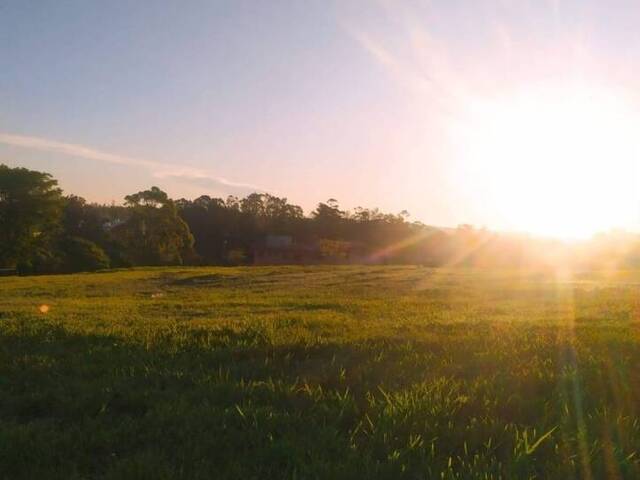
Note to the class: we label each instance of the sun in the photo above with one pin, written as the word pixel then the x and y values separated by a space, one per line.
pixel 559 160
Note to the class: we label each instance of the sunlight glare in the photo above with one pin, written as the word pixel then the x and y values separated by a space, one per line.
pixel 552 161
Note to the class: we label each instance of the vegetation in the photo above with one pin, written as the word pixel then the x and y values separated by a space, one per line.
pixel 43 232
pixel 319 372
pixel 30 209
pixel 153 232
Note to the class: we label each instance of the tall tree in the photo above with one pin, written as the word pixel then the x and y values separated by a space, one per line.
pixel 329 219
pixel 154 233
pixel 30 211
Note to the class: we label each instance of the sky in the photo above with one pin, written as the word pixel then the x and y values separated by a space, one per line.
pixel 519 116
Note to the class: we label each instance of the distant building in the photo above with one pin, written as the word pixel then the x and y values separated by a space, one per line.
pixel 283 250
pixel 111 224
pixel 278 241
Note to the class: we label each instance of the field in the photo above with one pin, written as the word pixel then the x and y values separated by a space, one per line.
pixel 320 372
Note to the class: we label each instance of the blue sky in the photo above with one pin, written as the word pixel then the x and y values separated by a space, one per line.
pixel 308 100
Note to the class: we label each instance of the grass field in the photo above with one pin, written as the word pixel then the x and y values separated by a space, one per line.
pixel 320 372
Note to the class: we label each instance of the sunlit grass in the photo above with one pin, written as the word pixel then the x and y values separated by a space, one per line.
pixel 320 372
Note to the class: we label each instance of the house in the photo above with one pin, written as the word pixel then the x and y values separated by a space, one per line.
pixel 284 249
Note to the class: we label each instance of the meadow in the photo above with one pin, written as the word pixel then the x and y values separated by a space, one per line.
pixel 320 372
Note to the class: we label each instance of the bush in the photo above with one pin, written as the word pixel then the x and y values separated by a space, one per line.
pixel 83 255
pixel 41 261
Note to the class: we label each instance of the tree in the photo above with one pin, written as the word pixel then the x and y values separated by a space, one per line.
pixel 154 233
pixel 30 211
pixel 328 219
pixel 80 219
pixel 42 232
pixel 253 205
pixel 81 255
pixel 153 197
pixel 210 222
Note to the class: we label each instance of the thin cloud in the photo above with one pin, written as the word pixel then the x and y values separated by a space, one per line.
pixel 209 182
pixel 443 71
pixel 180 173
pixel 419 62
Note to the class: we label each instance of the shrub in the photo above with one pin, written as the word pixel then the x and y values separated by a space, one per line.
pixel 82 255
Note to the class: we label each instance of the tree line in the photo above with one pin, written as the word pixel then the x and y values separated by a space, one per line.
pixel 44 231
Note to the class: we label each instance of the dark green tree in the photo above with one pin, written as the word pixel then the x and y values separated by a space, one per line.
pixel 82 255
pixel 80 219
pixel 30 211
pixel 328 220
pixel 154 233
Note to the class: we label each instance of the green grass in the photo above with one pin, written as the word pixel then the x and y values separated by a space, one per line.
pixel 320 372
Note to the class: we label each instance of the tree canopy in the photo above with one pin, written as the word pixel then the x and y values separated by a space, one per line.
pixel 30 211
pixel 154 233
pixel 43 231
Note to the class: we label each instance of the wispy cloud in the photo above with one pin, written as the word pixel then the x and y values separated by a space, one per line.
pixel 419 61
pixel 180 173
pixel 428 50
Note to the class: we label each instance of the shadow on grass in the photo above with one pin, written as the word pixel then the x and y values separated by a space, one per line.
pixel 227 404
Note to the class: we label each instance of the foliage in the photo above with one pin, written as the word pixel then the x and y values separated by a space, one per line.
pixel 83 255
pixel 152 229
pixel 80 219
pixel 154 234
pixel 30 209
pixel 320 372
pixel 42 232
pixel 95 223
pixel 220 227
pixel 153 198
